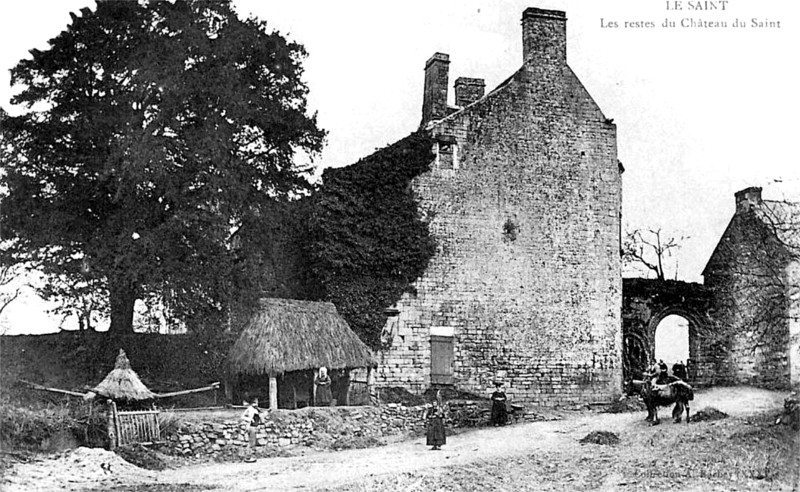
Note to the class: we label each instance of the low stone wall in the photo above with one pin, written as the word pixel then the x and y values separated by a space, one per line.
pixel 327 428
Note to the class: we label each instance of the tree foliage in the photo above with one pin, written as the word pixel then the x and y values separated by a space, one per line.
pixel 10 272
pixel 368 240
pixel 155 129
pixel 76 295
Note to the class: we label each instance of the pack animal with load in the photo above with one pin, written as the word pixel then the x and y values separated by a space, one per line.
pixel 657 389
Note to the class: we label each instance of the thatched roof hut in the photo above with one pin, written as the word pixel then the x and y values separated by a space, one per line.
pixel 289 335
pixel 123 384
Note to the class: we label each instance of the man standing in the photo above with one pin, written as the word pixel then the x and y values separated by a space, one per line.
pixel 679 371
pixel 662 377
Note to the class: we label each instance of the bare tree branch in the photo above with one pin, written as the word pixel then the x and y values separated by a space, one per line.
pixel 649 248
pixel 9 275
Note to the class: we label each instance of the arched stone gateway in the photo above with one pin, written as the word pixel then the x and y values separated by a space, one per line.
pixel 646 303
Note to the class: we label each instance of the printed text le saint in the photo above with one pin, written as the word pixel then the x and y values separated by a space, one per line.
pixel 697 5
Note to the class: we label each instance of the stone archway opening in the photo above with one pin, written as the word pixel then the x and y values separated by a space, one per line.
pixel 672 339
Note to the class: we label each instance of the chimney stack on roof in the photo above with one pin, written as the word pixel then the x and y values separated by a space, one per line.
pixel 544 37
pixel 434 98
pixel 544 43
pixel 469 90
pixel 747 198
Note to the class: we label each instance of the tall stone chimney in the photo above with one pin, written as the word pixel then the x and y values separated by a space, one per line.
pixel 747 198
pixel 544 37
pixel 434 98
pixel 469 90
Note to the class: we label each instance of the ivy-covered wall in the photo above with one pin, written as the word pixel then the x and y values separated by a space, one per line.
pixel 367 239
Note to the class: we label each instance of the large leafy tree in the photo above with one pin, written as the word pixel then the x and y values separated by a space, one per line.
pixel 155 129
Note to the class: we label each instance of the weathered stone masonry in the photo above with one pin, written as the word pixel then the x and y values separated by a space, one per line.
pixel 646 302
pixel 524 200
pixel 754 273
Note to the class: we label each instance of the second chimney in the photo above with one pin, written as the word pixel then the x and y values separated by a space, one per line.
pixel 544 37
pixel 747 198
pixel 468 90
pixel 434 98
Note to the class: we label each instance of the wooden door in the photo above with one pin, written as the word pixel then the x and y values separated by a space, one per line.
pixel 441 360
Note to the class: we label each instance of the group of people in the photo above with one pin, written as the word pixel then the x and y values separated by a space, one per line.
pixel 435 435
pixel 252 416
pixel 662 376
pixel 435 432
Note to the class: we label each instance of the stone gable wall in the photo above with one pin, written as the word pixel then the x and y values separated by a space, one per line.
pixel 748 277
pixel 528 276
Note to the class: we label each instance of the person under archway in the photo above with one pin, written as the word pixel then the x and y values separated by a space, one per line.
pixel 679 371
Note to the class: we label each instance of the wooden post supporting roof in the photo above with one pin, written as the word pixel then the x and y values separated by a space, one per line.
pixel 273 392
pixel 371 382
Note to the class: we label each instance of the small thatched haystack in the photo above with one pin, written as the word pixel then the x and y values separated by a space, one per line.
pixel 123 384
pixel 289 335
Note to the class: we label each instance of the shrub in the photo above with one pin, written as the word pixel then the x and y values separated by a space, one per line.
pixel 169 423
pixel 29 429
pixel 22 428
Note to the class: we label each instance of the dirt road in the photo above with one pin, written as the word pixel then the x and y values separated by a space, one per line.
pixel 330 470
pixel 737 453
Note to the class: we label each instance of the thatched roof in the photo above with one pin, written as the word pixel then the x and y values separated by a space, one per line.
pixel 123 384
pixel 288 335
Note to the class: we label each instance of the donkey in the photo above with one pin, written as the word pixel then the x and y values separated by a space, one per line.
pixel 656 395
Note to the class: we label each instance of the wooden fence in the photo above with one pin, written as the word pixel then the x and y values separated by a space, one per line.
pixel 136 427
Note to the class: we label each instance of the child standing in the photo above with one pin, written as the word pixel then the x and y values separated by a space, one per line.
pixel 499 410
pixel 251 419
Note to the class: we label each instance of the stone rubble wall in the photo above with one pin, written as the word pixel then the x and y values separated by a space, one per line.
pixel 316 427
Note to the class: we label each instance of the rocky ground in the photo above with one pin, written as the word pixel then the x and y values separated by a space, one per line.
pixel 734 445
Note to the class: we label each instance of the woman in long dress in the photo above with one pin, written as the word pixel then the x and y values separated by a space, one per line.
pixel 435 436
pixel 322 388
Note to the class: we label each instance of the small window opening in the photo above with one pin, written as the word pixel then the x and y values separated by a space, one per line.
pixel 447 154
pixel 510 230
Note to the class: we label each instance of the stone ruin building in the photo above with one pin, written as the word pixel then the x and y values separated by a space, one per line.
pixel 523 199
pixel 754 273
pixel 744 319
pixel 525 204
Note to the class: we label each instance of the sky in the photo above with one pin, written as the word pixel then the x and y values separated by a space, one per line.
pixel 701 112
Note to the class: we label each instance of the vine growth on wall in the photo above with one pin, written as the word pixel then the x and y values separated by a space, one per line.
pixel 368 241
